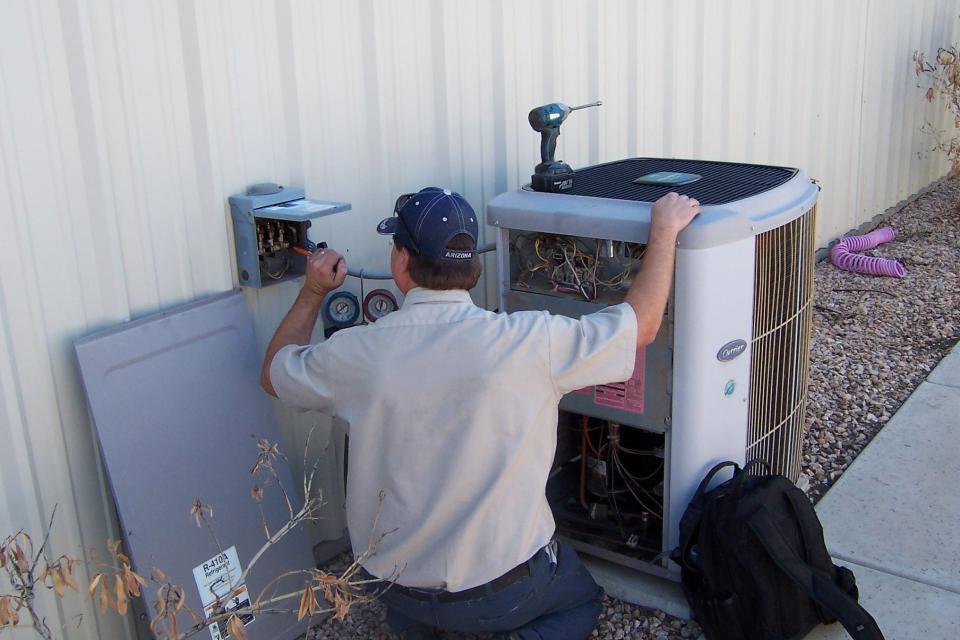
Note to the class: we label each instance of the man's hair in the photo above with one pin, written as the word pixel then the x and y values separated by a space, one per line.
pixel 440 274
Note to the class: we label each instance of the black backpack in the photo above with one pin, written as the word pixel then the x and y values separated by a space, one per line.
pixel 755 567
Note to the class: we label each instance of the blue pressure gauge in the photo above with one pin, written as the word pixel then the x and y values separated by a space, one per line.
pixel 342 310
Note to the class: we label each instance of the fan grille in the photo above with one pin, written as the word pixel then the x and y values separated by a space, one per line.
pixel 721 182
pixel 782 326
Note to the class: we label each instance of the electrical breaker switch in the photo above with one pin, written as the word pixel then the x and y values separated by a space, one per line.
pixel 270 225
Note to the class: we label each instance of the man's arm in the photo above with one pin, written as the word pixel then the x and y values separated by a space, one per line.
pixel 651 286
pixel 326 270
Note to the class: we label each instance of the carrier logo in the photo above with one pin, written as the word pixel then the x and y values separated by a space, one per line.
pixel 731 350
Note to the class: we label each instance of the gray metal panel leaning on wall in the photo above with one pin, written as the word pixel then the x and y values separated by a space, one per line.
pixel 177 407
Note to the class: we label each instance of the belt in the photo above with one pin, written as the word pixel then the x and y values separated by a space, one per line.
pixel 497 584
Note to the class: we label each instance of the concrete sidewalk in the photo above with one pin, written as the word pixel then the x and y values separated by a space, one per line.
pixel 894 516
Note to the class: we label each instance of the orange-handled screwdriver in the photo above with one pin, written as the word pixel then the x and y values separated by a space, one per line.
pixel 308 250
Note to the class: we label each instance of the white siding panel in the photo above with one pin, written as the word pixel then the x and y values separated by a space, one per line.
pixel 125 126
pixel 51 460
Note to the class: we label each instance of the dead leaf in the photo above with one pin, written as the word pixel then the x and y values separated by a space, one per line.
pixel 104 598
pixel 8 612
pixel 326 577
pixel 270 449
pixel 341 603
pixel 256 493
pixel 945 57
pixel 93 585
pixel 20 559
pixel 235 628
pixel 268 452
pixel 930 94
pixel 68 565
pixel 308 603
pixel 200 512
pixel 58 583
pixel 132 581
pixel 121 593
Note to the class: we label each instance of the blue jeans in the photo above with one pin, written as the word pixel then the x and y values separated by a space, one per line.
pixel 557 601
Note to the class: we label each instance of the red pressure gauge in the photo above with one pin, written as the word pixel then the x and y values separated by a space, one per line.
pixel 378 303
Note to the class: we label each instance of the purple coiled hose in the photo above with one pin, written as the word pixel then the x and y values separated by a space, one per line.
pixel 844 257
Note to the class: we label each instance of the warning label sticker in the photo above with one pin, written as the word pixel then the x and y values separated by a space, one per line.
pixel 218 580
pixel 239 598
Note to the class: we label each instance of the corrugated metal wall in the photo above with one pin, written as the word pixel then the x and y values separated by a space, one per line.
pixel 124 126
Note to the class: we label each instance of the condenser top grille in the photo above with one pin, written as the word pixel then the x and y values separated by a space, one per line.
pixel 721 182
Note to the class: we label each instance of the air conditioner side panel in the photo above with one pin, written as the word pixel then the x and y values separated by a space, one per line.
pixel 713 299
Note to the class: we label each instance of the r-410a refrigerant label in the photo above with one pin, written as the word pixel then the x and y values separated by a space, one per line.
pixel 218 580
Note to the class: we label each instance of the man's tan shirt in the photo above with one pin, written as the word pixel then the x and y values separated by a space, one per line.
pixel 452 412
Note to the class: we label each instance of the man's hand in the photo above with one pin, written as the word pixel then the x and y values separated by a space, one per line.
pixel 672 213
pixel 326 271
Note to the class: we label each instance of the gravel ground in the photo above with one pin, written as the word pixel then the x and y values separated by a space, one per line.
pixel 875 339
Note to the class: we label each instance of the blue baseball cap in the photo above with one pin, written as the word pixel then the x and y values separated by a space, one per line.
pixel 428 220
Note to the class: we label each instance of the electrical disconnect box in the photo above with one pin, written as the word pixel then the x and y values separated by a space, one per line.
pixel 270 225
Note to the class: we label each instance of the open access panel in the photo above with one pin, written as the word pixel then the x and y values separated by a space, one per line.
pixel 609 476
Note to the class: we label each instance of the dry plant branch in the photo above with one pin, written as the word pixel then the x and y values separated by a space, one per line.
pixel 943 78
pixel 115 582
pixel 27 569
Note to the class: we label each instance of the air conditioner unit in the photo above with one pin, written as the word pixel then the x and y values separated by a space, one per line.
pixel 726 377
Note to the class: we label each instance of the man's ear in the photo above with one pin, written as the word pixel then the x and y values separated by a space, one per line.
pixel 400 268
pixel 403 258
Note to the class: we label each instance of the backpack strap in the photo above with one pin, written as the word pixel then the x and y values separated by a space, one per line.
pixel 702 489
pixel 811 534
pixel 691 519
pixel 820 588
pixel 740 475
